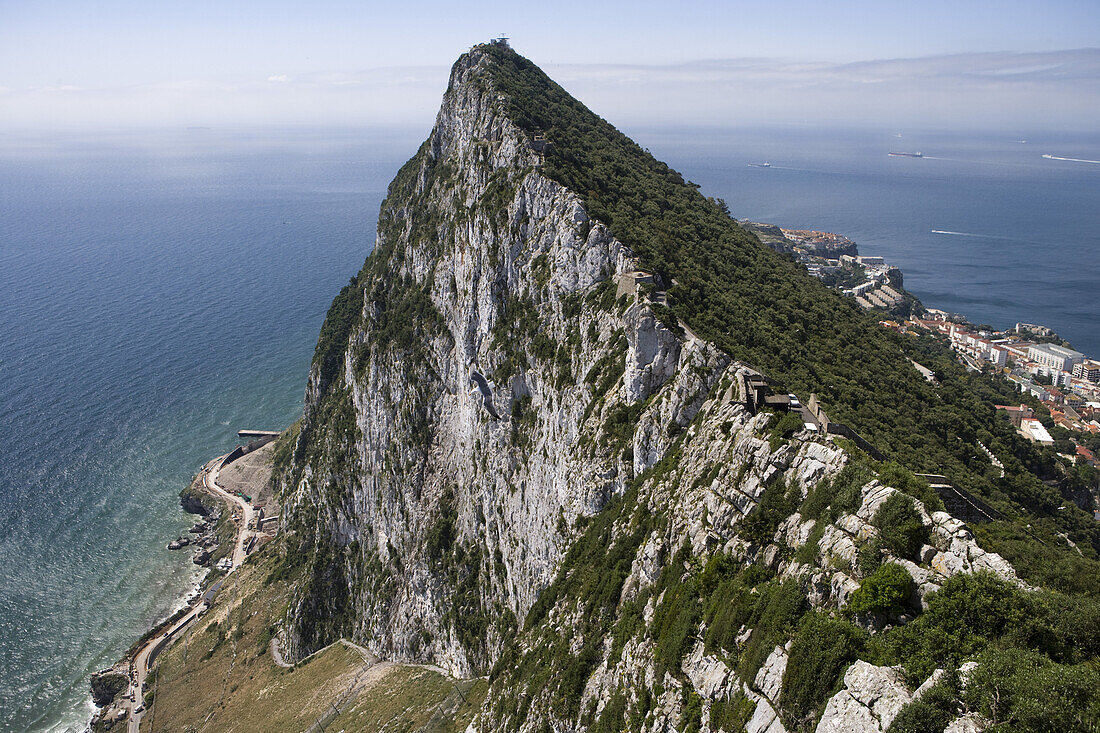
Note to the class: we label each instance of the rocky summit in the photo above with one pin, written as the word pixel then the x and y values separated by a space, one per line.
pixel 574 430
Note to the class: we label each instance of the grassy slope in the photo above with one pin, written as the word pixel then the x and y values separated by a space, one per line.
pixel 763 308
pixel 414 698
pixel 222 677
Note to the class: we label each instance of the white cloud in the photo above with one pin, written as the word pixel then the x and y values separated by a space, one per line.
pixel 279 78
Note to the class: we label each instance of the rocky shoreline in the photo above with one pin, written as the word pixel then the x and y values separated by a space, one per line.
pixel 109 686
pixel 202 537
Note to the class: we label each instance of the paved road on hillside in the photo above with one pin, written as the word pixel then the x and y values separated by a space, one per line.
pixel 248 514
pixel 140 667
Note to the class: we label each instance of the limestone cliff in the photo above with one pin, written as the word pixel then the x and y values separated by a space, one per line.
pixel 489 373
pixel 697 520
pixel 516 459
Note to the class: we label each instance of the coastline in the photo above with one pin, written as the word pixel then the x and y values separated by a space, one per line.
pixel 101 711
pixel 218 542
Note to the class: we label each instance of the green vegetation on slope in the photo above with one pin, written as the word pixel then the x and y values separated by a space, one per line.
pixel 763 308
pixel 220 674
pixel 717 599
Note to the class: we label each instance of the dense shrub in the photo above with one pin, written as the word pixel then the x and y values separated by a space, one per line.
pixel 776 504
pixel 1020 690
pixel 775 615
pixel 729 605
pixel 823 649
pixel 343 315
pixel 731 715
pixel 973 611
pixel 691 712
pixel 937 707
pixel 887 590
pixel 900 526
pixel 784 427
pixel 676 619
pixel 870 556
pixel 848 488
pixel 897 476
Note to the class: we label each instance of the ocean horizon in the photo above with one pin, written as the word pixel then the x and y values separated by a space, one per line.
pixel 160 290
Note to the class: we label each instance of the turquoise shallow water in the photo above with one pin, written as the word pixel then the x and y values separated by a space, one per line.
pixel 160 291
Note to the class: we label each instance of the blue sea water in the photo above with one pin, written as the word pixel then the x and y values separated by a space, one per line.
pixel 158 291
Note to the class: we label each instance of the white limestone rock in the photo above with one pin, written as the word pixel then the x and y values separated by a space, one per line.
pixel 969 723
pixel 928 684
pixel 871 699
pixel 652 356
pixel 845 714
pixel 764 719
pixel 769 680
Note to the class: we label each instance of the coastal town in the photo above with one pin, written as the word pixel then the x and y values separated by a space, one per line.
pixel 835 260
pixel 1062 380
pixel 1059 386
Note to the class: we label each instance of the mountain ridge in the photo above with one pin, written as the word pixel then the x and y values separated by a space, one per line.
pixel 544 356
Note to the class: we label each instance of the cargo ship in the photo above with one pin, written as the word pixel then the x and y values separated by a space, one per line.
pixel 907 155
pixel 760 165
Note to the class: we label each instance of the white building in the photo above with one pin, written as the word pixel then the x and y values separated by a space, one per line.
pixel 862 288
pixel 1034 431
pixel 890 292
pixel 1088 371
pixel 1058 358
pixel 1036 390
pixel 981 348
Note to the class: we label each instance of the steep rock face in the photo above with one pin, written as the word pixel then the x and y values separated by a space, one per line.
pixel 488 376
pixel 704 508
pixel 495 404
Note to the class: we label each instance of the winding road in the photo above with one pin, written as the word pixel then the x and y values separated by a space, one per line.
pixel 139 669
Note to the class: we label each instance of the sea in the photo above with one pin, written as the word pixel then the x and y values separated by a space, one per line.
pixel 160 290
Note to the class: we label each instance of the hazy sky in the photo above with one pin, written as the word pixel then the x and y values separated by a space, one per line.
pixel 113 62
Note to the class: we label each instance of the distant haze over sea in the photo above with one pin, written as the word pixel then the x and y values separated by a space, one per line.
pixel 1050 90
pixel 160 290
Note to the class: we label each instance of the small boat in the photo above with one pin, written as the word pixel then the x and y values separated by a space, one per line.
pixel 760 165
pixel 907 155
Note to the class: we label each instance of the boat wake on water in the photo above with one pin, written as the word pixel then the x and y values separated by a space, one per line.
pixel 967 234
pixel 1048 156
